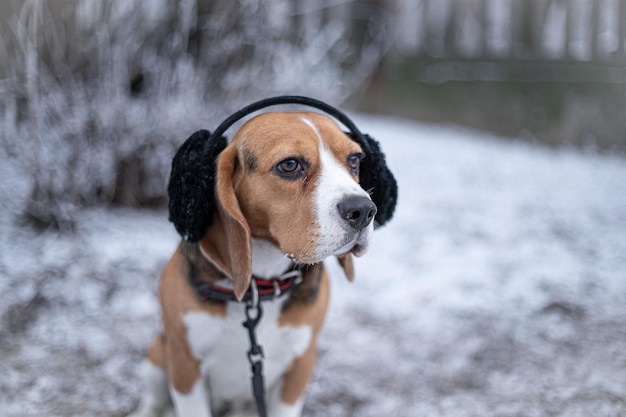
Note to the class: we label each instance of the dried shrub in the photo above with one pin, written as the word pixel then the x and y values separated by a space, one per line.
pixel 97 95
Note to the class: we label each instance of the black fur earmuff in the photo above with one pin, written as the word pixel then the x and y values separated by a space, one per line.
pixel 376 178
pixel 192 181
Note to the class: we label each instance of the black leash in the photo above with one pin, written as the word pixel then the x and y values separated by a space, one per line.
pixel 255 354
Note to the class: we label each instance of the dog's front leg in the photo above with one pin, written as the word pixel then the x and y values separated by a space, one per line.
pixel 156 395
pixel 194 403
pixel 187 389
pixel 286 398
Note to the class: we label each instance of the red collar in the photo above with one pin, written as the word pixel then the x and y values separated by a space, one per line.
pixel 261 289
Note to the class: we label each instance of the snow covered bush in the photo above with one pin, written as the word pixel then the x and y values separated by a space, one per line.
pixel 97 95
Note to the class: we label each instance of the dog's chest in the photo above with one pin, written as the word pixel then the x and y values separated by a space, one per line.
pixel 221 345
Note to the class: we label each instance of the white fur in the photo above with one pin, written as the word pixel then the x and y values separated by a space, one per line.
pixel 221 343
pixel 194 404
pixel 267 260
pixel 277 408
pixel 335 184
pixel 156 393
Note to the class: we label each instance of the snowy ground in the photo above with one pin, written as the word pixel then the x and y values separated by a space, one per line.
pixel 499 289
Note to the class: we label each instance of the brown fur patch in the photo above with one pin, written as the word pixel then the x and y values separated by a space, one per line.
pixel 295 380
pixel 307 292
pixel 251 161
pixel 177 299
pixel 227 242
pixel 276 209
pixel 348 266
pixel 156 353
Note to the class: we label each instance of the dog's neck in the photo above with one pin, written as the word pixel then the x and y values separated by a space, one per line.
pixel 267 260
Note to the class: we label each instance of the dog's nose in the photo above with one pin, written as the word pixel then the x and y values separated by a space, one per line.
pixel 357 211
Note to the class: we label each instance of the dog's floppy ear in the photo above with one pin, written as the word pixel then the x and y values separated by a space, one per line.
pixel 348 267
pixel 376 178
pixel 228 241
pixel 192 184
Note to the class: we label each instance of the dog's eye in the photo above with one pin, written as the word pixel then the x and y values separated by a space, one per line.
pixel 290 168
pixel 354 161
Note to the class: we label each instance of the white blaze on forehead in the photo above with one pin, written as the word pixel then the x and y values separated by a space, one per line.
pixel 335 177
pixel 310 124
pixel 335 183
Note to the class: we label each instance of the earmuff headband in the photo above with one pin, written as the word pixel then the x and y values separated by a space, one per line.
pixel 193 176
pixel 305 101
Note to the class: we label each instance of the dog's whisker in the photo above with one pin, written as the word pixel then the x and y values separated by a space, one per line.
pixel 305 249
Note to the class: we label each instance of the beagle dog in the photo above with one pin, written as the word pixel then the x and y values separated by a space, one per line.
pixel 282 196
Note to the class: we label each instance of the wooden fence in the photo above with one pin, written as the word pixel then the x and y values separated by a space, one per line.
pixel 564 30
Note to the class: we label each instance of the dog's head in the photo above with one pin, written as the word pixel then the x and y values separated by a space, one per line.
pixel 294 179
